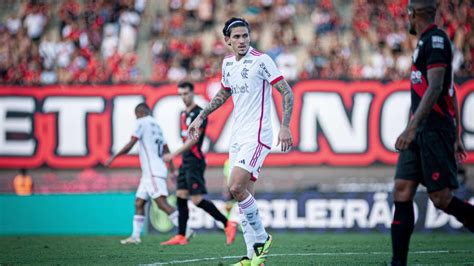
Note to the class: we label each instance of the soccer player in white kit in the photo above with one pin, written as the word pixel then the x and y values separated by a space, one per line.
pixel 152 146
pixel 248 76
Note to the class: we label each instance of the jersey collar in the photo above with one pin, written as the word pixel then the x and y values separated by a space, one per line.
pixel 428 28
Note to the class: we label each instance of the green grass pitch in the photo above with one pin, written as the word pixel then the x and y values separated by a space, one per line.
pixel 209 249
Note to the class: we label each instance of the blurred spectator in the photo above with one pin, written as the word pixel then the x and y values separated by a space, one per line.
pixel 287 63
pixel 35 23
pixel 129 21
pixel 13 24
pixel 176 73
pixel 23 183
pixel 110 41
pixel 98 39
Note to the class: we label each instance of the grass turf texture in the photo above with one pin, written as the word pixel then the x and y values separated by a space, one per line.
pixel 210 249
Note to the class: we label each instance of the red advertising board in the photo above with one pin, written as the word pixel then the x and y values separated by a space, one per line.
pixel 334 123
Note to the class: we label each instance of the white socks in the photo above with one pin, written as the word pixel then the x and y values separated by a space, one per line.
pixel 250 210
pixel 249 234
pixel 138 221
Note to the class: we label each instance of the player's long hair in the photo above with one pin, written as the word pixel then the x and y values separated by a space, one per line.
pixel 232 23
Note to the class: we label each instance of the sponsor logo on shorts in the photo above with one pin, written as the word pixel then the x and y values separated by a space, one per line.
pixel 435 176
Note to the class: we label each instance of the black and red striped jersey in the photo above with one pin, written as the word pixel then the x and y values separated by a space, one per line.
pixel 433 50
pixel 195 153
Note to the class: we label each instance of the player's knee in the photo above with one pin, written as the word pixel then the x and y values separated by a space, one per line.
pixel 196 199
pixel 402 191
pixel 440 199
pixel 181 193
pixel 237 191
pixel 139 206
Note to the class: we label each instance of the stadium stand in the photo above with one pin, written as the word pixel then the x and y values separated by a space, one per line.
pixel 127 41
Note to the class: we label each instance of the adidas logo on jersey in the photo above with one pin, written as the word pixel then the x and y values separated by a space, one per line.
pixel 242 161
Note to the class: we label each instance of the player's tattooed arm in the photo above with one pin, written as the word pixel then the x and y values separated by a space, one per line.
pixel 460 151
pixel 285 91
pixel 216 102
pixel 284 136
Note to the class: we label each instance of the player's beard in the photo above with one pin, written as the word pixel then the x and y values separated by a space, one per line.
pixel 244 53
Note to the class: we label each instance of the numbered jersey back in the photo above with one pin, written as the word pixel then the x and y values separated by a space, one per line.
pixel 151 142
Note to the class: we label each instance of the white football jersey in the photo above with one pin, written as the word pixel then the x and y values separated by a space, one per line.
pixel 250 81
pixel 151 142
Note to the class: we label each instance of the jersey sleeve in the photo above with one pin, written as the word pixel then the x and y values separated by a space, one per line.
pixel 224 81
pixel 138 133
pixel 437 51
pixel 268 70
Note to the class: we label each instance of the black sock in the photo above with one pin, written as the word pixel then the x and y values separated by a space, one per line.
pixel 402 228
pixel 463 211
pixel 183 215
pixel 210 208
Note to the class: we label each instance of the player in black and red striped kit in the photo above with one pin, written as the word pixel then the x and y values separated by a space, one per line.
pixel 190 181
pixel 430 147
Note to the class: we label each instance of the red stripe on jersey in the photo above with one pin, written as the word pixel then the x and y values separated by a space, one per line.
pixel 261 115
pixel 436 65
pixel 224 87
pixel 184 127
pixel 195 151
pixel 449 103
pixel 276 80
pixel 229 55
pixel 256 51
pixel 421 88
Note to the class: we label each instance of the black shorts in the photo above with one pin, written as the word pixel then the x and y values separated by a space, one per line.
pixel 191 177
pixel 430 161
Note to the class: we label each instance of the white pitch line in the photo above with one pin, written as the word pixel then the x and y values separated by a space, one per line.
pixel 310 254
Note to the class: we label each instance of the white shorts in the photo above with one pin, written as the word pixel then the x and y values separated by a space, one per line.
pixel 151 188
pixel 249 156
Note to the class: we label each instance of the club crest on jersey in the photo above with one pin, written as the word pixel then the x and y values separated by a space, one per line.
pixel 184 133
pixel 188 121
pixel 415 77
pixel 245 73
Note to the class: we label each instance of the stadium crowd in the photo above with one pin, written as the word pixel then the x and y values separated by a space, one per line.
pixel 97 41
